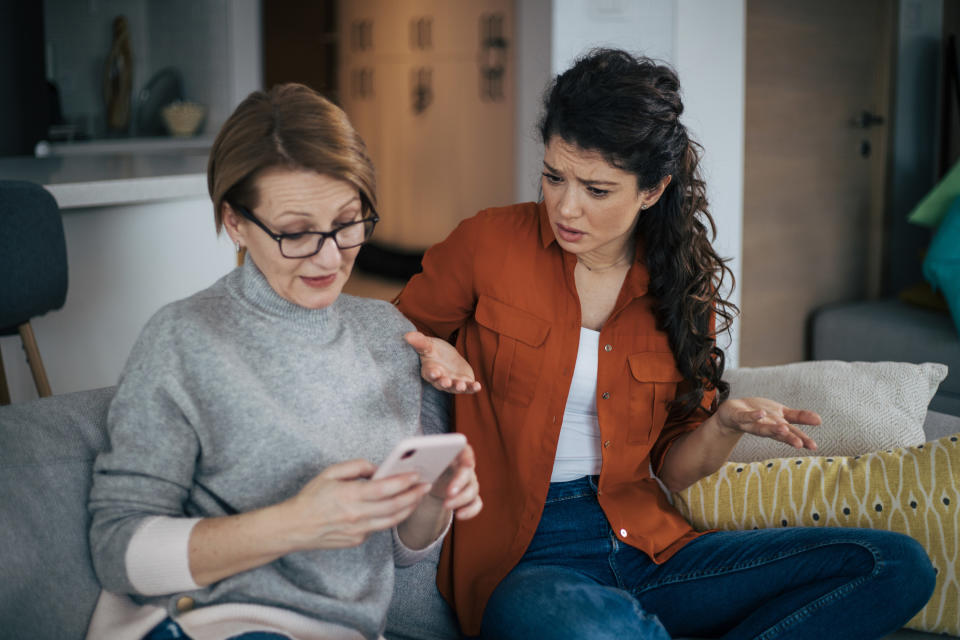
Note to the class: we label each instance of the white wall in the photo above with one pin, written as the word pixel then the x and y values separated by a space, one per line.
pixel 703 39
pixel 710 58
pixel 532 57
pixel 639 26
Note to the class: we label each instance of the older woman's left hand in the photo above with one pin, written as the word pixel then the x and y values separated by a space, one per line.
pixel 458 486
pixel 769 419
pixel 441 365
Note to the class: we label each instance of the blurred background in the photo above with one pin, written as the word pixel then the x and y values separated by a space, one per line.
pixel 824 123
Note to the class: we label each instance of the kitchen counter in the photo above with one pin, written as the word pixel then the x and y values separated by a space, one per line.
pixel 113 178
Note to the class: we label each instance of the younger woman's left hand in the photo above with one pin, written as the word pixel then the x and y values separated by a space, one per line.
pixel 769 419
pixel 442 365
pixel 458 486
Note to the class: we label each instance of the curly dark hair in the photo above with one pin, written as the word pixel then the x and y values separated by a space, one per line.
pixel 627 108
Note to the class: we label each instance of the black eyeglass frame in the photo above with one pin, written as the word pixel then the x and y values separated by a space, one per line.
pixel 372 220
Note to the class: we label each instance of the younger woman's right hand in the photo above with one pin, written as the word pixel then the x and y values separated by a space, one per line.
pixel 341 506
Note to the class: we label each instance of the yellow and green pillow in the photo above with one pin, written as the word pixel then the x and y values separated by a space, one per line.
pixel 913 490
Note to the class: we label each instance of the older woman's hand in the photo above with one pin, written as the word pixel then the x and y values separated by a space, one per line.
pixel 441 365
pixel 769 419
pixel 458 487
pixel 340 507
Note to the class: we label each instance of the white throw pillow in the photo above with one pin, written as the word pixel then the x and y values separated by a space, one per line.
pixel 865 406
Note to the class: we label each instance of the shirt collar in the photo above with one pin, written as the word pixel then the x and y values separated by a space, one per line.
pixel 546 231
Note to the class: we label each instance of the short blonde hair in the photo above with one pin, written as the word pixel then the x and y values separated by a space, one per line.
pixel 289 126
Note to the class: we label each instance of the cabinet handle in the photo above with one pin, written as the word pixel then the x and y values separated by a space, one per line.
pixel 492 57
pixel 421 33
pixel 421 89
pixel 361 83
pixel 361 35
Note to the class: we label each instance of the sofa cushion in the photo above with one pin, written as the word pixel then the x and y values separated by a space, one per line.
pixel 939 424
pixel 865 406
pixel 47 449
pixel 914 490
pixel 418 611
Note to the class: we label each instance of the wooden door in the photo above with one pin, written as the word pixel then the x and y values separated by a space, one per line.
pixel 818 71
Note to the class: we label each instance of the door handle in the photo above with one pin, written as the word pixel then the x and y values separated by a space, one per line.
pixel 867 119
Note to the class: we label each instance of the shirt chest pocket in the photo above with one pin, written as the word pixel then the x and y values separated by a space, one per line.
pixel 519 352
pixel 653 384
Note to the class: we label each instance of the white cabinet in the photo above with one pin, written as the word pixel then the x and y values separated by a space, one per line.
pixel 429 86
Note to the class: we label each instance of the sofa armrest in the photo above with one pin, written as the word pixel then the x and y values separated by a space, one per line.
pixel 47 448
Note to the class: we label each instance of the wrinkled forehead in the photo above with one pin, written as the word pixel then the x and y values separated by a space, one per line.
pixel 301 191
pixel 586 164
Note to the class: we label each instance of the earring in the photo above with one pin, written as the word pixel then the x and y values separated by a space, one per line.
pixel 643 206
pixel 239 248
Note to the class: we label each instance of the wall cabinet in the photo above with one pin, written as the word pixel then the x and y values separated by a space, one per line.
pixel 429 86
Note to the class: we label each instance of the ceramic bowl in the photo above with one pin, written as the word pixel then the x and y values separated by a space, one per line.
pixel 183 119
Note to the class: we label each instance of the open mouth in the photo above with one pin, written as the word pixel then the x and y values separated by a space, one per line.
pixel 567 234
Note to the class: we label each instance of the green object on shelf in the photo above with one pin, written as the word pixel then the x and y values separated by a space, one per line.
pixel 931 210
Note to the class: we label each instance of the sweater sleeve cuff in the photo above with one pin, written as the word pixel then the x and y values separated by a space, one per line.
pixel 158 556
pixel 404 556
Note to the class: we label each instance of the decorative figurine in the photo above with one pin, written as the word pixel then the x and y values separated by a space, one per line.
pixel 118 78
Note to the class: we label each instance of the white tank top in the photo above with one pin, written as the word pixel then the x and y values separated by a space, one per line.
pixel 578 449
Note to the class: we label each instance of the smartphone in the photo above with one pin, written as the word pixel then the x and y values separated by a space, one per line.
pixel 427 455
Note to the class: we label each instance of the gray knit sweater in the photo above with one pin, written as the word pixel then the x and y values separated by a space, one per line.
pixel 232 400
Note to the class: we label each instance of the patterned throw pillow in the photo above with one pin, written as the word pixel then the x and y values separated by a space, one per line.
pixel 913 490
pixel 865 406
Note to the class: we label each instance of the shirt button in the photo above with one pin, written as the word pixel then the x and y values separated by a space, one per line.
pixel 606 444
pixel 185 604
pixel 606 395
pixel 608 347
pixel 623 533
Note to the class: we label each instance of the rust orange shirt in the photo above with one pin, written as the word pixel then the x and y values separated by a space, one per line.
pixel 503 285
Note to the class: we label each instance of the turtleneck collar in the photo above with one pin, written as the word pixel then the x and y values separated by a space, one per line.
pixel 248 284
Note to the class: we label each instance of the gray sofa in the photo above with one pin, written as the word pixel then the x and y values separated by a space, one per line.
pixel 47 585
pixel 890 330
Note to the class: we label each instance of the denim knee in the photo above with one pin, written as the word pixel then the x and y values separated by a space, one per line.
pixel 557 604
pixel 911 573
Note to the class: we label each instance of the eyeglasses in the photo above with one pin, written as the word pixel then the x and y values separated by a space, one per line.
pixel 309 243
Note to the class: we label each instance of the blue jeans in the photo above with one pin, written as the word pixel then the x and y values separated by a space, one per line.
pixel 577 580
pixel 170 630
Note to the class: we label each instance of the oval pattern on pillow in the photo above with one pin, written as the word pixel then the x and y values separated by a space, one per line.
pixel 914 490
pixel 865 406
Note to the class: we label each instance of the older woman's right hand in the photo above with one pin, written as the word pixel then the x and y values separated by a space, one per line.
pixel 341 506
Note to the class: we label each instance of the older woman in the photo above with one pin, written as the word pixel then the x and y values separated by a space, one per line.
pixel 236 496
pixel 589 318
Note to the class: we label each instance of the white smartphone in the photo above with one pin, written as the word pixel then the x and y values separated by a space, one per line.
pixel 427 455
